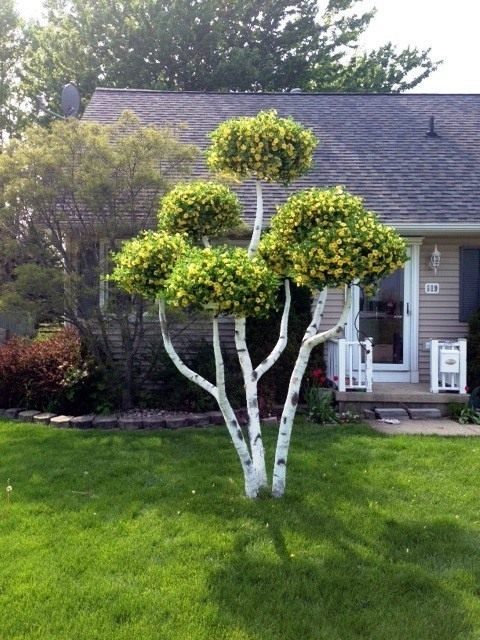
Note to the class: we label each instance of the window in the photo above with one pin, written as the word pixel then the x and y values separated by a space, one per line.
pixel 469 282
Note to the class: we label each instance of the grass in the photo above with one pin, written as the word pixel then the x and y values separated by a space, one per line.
pixel 147 536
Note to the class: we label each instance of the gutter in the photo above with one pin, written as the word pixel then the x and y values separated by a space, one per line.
pixel 435 228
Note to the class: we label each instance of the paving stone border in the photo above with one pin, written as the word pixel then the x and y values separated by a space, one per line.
pixel 128 421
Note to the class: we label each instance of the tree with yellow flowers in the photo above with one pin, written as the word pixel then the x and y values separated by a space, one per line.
pixel 317 239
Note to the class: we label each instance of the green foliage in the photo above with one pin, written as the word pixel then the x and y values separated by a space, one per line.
pixel 320 405
pixel 264 147
pixel 455 409
pixel 383 70
pixel 199 209
pixel 210 46
pixel 468 415
pixel 35 290
pixel 11 47
pixel 325 238
pixel 101 174
pixel 145 263
pixel 223 279
pixel 65 187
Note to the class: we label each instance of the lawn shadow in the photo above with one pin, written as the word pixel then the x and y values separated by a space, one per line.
pixel 342 591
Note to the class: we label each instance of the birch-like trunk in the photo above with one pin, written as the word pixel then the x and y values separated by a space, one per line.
pixel 249 472
pixel 251 396
pixel 258 224
pixel 310 340
pixel 218 392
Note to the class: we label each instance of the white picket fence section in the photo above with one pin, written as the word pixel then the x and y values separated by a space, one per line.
pixel 448 365
pixel 349 364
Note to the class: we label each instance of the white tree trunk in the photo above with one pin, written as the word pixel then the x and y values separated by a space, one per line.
pixel 233 426
pixel 311 339
pixel 218 392
pixel 251 395
pixel 258 224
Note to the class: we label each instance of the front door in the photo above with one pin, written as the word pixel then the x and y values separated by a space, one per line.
pixel 389 319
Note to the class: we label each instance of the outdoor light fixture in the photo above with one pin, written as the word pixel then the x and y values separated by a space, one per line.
pixel 435 260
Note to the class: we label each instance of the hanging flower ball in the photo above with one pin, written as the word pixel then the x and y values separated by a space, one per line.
pixel 224 280
pixel 144 263
pixel 199 209
pixel 326 238
pixel 264 147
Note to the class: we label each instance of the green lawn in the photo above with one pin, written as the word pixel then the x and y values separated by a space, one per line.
pixel 145 536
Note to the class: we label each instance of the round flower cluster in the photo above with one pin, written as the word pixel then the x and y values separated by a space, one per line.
pixel 145 262
pixel 199 209
pixel 265 147
pixel 327 239
pixel 225 280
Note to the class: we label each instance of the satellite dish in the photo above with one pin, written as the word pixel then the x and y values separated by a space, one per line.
pixel 70 100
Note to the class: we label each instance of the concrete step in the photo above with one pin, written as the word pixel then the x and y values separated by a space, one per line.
pixel 382 413
pixel 428 413
pixel 403 413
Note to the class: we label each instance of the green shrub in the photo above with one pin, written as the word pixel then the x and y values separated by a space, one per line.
pixel 320 405
pixel 454 410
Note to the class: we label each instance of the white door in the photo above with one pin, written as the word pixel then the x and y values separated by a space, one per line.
pixel 390 319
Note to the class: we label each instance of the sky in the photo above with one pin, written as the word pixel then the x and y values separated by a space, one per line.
pixel 450 29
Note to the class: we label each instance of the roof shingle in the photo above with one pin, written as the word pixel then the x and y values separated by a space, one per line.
pixel 373 144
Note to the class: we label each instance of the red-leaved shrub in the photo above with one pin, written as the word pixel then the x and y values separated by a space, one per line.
pixel 42 373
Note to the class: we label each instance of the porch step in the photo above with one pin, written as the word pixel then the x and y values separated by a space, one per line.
pixel 400 413
pixel 382 413
pixel 428 413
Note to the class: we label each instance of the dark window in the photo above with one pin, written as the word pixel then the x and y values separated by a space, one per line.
pixel 469 282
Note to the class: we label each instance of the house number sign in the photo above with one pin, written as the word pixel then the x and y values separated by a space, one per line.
pixel 432 288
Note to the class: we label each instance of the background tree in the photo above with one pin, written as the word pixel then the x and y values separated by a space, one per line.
pixel 318 239
pixel 71 192
pixel 11 44
pixel 240 45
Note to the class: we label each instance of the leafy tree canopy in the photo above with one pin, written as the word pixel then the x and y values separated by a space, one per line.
pixel 11 41
pixel 65 187
pixel 207 45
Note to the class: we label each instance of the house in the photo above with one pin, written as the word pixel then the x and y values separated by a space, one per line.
pixel 414 158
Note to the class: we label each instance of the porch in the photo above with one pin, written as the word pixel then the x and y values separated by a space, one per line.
pixel 350 365
pixel 398 395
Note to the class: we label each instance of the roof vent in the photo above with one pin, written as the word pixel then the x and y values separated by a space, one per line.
pixel 431 133
pixel 296 90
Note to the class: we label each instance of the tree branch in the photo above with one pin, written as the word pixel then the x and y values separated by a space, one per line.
pixel 278 349
pixel 318 338
pixel 177 361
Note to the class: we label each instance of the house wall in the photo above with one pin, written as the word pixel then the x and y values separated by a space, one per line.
pixel 438 314
pixel 185 336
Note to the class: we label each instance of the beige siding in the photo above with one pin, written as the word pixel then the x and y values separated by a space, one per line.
pixel 333 308
pixel 438 314
pixel 185 336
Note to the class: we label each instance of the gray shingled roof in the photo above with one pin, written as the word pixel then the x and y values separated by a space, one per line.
pixel 373 144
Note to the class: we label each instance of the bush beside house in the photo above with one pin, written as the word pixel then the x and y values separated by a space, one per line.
pixel 46 373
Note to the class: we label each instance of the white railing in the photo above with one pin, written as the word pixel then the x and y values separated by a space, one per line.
pixel 349 364
pixel 448 365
